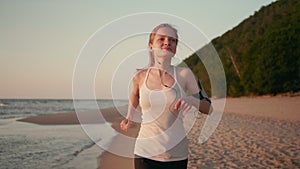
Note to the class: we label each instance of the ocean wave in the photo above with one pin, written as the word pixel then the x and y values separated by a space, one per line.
pixel 3 104
pixel 73 155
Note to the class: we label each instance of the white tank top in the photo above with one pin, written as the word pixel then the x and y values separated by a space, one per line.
pixel 162 136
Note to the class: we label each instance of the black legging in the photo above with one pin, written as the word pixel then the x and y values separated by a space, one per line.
pixel 145 163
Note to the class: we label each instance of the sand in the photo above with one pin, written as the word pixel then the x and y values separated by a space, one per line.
pixel 276 107
pixel 255 132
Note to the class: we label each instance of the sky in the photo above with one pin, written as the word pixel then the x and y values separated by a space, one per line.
pixel 40 41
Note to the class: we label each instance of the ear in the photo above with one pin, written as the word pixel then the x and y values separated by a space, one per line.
pixel 150 46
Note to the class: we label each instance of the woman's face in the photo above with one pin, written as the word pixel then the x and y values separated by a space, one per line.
pixel 164 42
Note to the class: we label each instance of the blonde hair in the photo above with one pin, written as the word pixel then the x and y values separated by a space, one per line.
pixel 151 38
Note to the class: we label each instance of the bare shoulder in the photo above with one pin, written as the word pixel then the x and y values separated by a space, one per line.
pixel 184 71
pixel 186 78
pixel 139 75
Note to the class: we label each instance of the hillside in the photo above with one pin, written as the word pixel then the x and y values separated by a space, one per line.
pixel 261 55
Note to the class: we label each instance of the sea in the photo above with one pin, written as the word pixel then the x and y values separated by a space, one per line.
pixel 27 145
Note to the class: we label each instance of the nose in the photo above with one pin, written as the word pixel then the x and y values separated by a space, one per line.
pixel 166 42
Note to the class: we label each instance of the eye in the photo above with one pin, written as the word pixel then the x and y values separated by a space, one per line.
pixel 172 39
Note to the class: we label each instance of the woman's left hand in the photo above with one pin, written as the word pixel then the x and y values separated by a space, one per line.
pixel 182 104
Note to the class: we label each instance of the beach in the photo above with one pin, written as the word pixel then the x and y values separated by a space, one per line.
pixel 254 132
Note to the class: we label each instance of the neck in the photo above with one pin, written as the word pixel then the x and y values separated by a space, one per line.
pixel 164 64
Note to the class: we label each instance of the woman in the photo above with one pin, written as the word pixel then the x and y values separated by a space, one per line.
pixel 160 90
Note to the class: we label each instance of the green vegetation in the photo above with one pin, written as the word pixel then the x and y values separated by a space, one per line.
pixel 261 55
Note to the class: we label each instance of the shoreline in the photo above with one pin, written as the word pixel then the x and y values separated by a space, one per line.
pixel 278 107
pixel 71 118
pixel 277 110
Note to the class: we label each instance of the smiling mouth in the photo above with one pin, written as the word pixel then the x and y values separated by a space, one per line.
pixel 168 49
pixel 165 49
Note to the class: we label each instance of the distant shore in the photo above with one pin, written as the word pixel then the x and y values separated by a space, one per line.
pixel 280 113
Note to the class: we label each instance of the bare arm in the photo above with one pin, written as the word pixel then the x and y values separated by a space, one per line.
pixel 134 99
pixel 133 103
pixel 191 85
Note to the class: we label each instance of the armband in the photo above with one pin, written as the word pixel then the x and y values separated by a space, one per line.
pixel 200 95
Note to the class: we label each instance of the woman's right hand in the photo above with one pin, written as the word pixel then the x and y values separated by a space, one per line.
pixel 125 124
